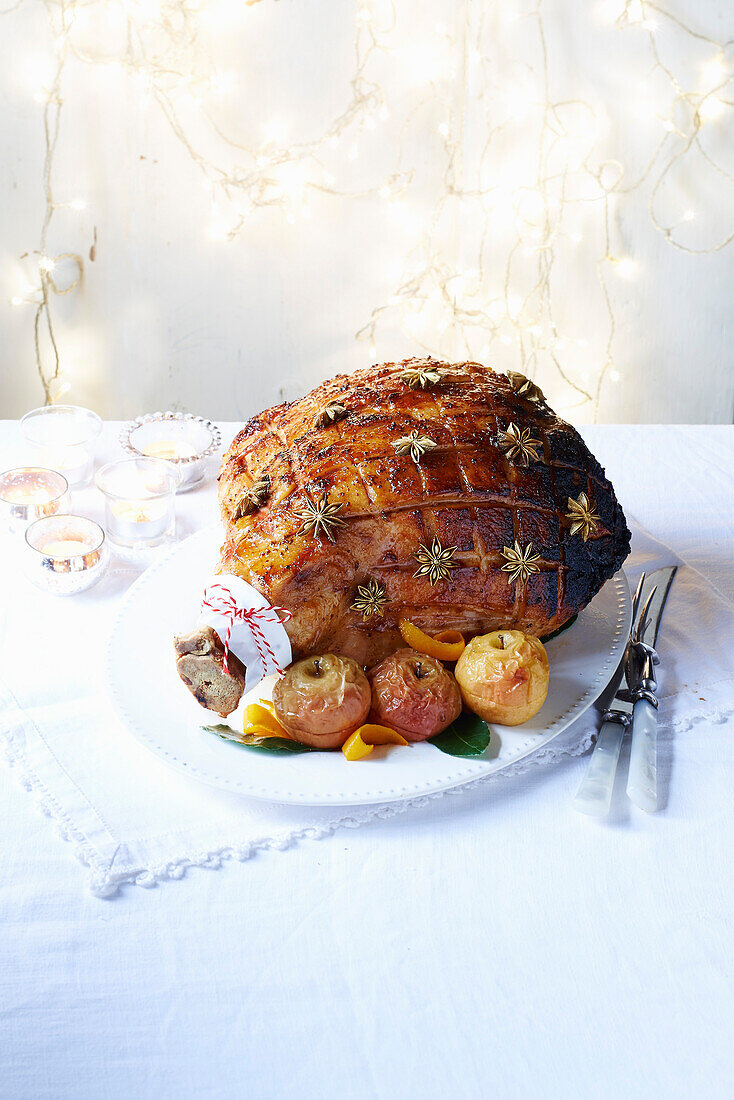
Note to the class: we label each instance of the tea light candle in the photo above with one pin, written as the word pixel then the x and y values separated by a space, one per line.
pixel 140 520
pixel 64 548
pixel 169 448
pixel 65 554
pixel 139 500
pixel 184 440
pixel 62 438
pixel 29 492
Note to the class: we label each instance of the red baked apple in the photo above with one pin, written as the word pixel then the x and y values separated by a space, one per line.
pixel 414 694
pixel 321 700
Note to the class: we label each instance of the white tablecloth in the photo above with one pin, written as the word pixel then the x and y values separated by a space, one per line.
pixel 518 950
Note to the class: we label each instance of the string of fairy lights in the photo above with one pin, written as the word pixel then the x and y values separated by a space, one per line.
pixel 524 175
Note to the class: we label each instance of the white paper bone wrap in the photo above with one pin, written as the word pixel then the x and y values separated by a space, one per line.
pixel 241 639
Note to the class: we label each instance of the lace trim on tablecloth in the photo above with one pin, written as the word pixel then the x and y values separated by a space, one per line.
pixel 104 882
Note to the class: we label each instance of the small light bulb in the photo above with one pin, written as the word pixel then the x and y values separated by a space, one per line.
pixel 689 215
pixel 713 72
pixel 627 267
pixel 353 153
pixel 711 108
pixel 329 180
pixel 16 301
pixel 614 376
pixel 443 129
pixel 46 264
pixel 385 192
pixel 78 204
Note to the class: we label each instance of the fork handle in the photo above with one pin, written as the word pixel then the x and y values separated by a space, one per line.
pixel 594 796
pixel 642 780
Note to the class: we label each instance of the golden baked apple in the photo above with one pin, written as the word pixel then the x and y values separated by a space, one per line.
pixel 321 700
pixel 503 676
pixel 413 694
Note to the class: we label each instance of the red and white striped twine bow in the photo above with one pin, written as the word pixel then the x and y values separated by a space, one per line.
pixel 218 598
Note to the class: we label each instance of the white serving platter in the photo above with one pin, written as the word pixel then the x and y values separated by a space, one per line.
pixel 157 709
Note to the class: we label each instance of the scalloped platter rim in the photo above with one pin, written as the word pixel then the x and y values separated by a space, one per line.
pixel 164 717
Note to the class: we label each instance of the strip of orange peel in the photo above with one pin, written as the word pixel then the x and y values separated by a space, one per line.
pixel 259 716
pixel 446 646
pixel 253 734
pixel 363 740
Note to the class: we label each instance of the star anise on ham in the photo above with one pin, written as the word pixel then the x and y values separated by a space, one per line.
pixel 421 378
pixel 370 600
pixel 414 444
pixel 523 387
pixel 330 414
pixel 583 516
pixel 320 517
pixel 253 497
pixel 435 561
pixel 518 444
pixel 519 563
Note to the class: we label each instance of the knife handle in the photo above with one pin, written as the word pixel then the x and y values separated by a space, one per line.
pixel 642 780
pixel 594 796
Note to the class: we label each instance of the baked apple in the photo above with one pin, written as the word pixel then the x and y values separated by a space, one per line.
pixel 503 676
pixel 413 694
pixel 321 700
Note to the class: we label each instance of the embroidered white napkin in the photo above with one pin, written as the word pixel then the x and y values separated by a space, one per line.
pixel 130 819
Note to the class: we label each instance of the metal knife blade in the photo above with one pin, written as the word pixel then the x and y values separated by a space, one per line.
pixel 594 795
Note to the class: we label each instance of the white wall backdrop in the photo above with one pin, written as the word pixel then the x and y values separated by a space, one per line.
pixel 249 182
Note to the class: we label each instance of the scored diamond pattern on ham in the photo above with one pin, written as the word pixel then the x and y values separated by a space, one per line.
pixel 466 492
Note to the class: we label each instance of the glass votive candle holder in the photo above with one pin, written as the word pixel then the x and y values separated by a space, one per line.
pixel 140 496
pixel 185 440
pixel 28 493
pixel 63 438
pixel 65 554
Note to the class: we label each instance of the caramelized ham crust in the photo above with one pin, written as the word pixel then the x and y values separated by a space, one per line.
pixel 527 527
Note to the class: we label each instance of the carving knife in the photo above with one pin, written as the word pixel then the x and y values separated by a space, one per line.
pixel 640 661
pixel 594 795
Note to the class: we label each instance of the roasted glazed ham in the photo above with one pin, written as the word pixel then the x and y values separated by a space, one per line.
pixel 446 494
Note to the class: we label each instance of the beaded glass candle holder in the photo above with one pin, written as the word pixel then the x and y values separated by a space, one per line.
pixel 182 439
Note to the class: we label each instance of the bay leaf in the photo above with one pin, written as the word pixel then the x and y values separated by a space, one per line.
pixel 469 735
pixel 277 745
